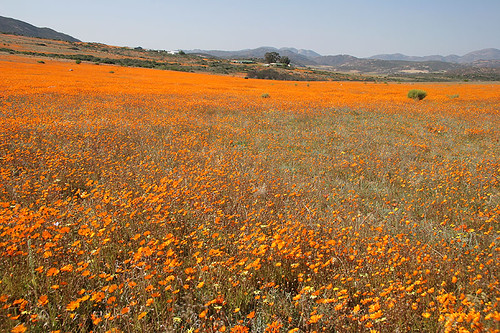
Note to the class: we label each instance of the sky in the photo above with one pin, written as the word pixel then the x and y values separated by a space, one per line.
pixel 360 28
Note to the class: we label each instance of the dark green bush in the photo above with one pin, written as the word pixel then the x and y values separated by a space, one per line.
pixel 417 94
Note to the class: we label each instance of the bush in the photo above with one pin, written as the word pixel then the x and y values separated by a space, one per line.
pixel 265 95
pixel 417 94
pixel 78 61
pixel 271 74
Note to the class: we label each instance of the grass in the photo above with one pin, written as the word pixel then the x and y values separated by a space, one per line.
pixel 190 203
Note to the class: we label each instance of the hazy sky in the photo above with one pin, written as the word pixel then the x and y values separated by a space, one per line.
pixel 357 27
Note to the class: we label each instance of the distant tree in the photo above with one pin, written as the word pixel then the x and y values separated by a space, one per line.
pixel 182 52
pixel 271 57
pixel 285 60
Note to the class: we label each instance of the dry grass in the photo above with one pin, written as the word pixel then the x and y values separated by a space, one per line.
pixel 143 200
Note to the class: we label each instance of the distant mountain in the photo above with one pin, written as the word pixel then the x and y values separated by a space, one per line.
pixel 16 27
pixel 402 57
pixel 305 53
pixel 382 63
pixel 297 57
pixel 334 60
pixel 246 53
pixel 485 54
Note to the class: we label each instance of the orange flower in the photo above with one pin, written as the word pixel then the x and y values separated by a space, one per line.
pixel 315 318
pixel 376 315
pixel 52 271
pixel 274 327
pixel 43 300
pixel 73 305
pixel 19 329
pixel 239 329
pixel 67 268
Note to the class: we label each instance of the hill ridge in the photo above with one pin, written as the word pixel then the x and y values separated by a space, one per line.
pixel 13 26
pixel 310 57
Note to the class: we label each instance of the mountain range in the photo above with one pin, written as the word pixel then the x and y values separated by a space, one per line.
pixel 17 27
pixel 303 57
pixel 384 64
pixel 484 54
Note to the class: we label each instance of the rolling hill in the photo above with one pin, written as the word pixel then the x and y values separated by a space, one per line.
pixel 17 27
pixel 477 65
pixel 471 57
pixel 384 64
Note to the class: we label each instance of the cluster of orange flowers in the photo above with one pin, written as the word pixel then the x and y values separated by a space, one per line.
pixel 143 200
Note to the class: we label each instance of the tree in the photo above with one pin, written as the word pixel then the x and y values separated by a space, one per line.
pixel 271 57
pixel 285 60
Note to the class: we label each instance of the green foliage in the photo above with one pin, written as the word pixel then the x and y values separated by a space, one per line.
pixel 222 67
pixel 285 60
pixel 265 95
pixel 417 94
pixel 78 61
pixel 272 57
pixel 271 74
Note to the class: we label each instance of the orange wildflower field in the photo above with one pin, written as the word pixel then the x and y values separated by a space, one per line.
pixel 140 200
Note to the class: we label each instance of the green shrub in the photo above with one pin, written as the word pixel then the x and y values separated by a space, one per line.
pixel 417 94
pixel 265 95
pixel 78 61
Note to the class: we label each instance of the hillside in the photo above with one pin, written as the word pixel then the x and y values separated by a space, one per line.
pixel 306 64
pixel 98 53
pixel 17 27
pixel 477 65
pixel 317 68
pixel 469 58
pixel 298 57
